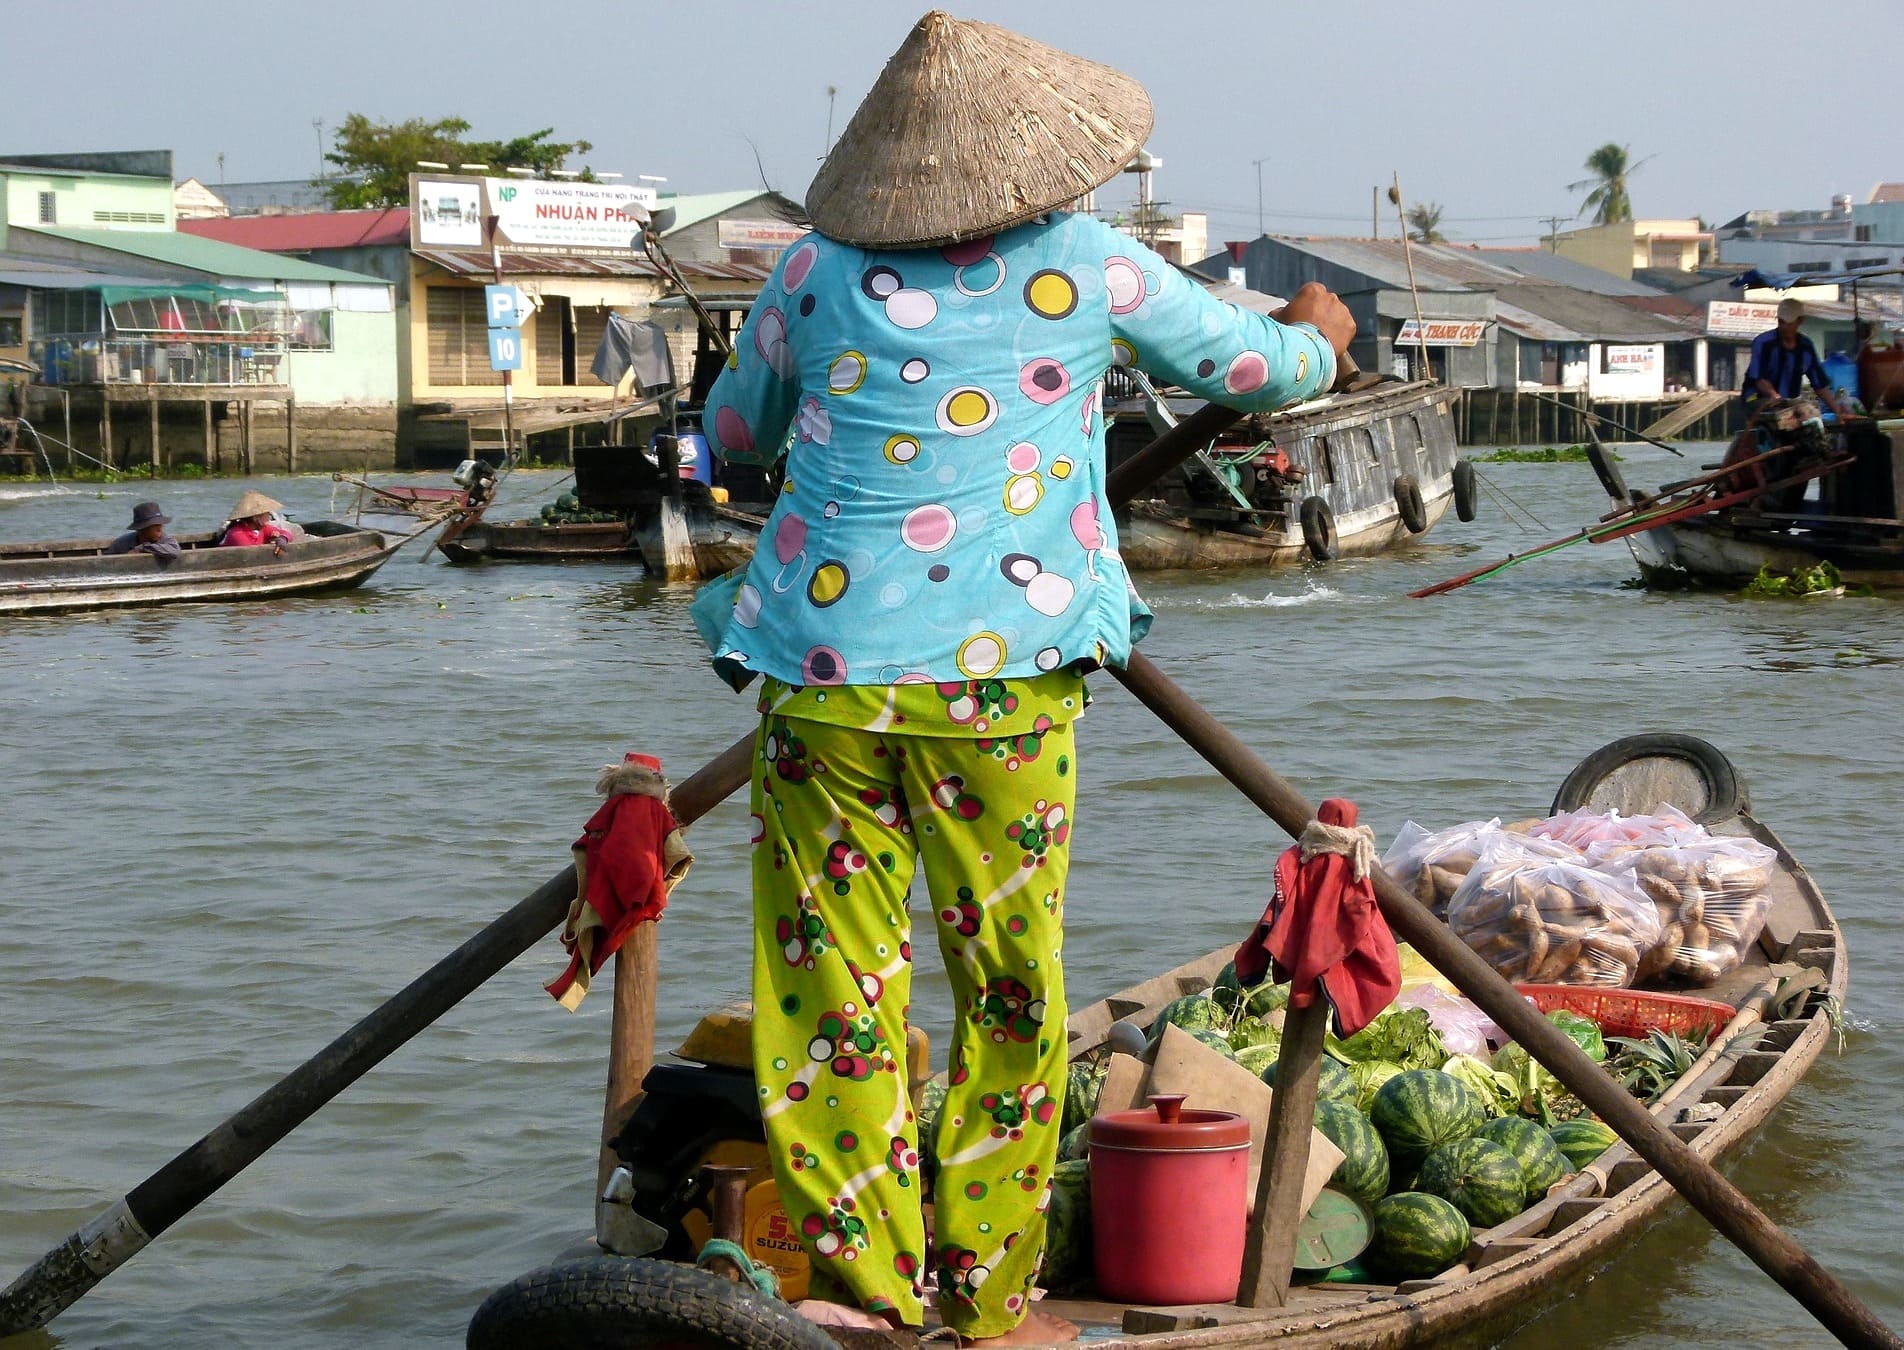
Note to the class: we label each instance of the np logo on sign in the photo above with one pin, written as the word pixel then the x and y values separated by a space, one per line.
pixel 505 305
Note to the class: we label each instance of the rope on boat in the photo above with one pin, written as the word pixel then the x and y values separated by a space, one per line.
pixel 1509 505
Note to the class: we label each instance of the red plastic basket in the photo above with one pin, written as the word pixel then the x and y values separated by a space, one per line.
pixel 1627 1012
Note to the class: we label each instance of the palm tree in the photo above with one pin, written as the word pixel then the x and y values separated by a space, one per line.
pixel 1610 166
pixel 1424 220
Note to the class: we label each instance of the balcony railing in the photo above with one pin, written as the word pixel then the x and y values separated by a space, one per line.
pixel 185 359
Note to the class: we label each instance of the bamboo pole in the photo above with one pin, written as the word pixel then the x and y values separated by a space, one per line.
pixel 631 1038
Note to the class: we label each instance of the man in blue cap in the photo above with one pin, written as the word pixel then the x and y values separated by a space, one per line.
pixel 147 534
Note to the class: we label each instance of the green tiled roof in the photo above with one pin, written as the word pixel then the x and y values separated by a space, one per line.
pixel 210 256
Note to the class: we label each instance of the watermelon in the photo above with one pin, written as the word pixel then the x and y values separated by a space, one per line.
pixel 1363 1171
pixel 1422 1109
pixel 1259 1059
pixel 1216 1040
pixel 1192 1012
pixel 1067 1260
pixel 1228 990
pixel 1581 1141
pixel 1259 1001
pixel 1477 1177
pixel 1333 1083
pixel 1075 1144
pixel 1417 1235
pixel 1542 1163
pixel 1369 1075
pixel 1082 1084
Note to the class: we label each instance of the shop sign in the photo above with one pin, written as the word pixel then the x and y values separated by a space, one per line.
pixel 1441 332
pixel 1632 360
pixel 530 215
pixel 757 233
pixel 1739 318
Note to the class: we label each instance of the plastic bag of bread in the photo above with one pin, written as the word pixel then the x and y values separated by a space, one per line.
pixel 1553 920
pixel 1603 833
pixel 1712 897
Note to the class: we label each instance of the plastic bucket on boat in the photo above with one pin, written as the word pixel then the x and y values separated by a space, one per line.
pixel 1169 1203
pixel 696 463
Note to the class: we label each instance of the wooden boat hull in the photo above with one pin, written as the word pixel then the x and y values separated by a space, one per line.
pixel 531 541
pixel 78 574
pixel 1152 540
pixel 1521 1267
pixel 721 537
pixel 1718 553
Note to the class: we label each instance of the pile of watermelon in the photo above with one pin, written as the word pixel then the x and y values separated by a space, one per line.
pixel 567 509
pixel 1438 1145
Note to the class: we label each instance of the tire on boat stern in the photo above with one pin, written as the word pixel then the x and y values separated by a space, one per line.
pixel 1465 489
pixel 1637 773
pixel 1414 511
pixel 612 1302
pixel 1318 530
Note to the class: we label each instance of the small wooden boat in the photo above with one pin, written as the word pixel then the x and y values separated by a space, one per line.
pixel 80 574
pixel 1785 1002
pixel 430 503
pixel 539 541
pixel 1856 524
pixel 1353 474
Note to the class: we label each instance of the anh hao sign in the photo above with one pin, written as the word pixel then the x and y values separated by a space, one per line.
pixel 1632 359
pixel 1441 332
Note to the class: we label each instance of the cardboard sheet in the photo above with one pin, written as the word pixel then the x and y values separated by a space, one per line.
pixel 1211 1082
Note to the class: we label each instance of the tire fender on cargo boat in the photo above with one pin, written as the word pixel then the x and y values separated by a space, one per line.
pixel 1318 529
pixel 1414 511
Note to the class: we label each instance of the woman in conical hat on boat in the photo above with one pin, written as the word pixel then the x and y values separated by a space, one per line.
pixel 251 523
pixel 938 575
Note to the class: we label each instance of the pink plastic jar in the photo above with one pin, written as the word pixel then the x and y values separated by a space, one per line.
pixel 1169 1203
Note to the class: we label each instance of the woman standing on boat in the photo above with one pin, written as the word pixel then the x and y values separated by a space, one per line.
pixel 939 572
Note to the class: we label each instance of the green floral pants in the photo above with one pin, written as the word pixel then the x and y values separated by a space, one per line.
pixel 841 816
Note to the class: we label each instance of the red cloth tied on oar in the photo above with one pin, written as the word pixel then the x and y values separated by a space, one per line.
pixel 1323 928
pixel 630 855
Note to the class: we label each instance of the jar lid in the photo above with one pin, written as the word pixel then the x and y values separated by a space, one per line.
pixel 1167 1125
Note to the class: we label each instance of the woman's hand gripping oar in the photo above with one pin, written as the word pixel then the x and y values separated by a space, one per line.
pixel 1696 1180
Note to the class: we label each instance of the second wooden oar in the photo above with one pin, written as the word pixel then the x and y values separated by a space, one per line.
pixel 1722 1203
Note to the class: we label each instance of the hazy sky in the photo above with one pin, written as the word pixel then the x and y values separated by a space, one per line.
pixel 1484 106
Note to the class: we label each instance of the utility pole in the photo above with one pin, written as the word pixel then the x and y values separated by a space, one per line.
pixel 1374 211
pixel 1259 194
pixel 1553 232
pixel 832 92
pixel 317 125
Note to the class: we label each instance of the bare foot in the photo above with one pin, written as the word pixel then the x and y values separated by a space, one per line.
pixel 841 1315
pixel 1037 1329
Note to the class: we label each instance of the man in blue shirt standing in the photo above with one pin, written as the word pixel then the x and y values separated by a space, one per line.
pixel 1783 359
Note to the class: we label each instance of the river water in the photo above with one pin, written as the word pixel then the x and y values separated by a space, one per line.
pixel 231 830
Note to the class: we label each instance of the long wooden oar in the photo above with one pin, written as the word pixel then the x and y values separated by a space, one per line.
pixel 1647 513
pixel 64 1275
pixel 1729 1211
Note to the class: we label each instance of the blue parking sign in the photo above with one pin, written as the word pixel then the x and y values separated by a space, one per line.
pixel 504 305
pixel 505 349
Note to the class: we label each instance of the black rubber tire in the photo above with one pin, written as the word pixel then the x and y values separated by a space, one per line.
pixel 1607 470
pixel 1726 793
pixel 1414 511
pixel 1465 491
pixel 612 1302
pixel 1318 529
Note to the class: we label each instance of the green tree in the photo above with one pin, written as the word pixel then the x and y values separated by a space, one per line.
pixel 1611 165
pixel 1424 223
pixel 374 160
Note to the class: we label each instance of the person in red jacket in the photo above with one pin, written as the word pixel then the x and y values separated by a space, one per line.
pixel 251 524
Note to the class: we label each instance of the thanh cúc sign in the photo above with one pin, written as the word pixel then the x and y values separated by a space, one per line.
pixel 1441 332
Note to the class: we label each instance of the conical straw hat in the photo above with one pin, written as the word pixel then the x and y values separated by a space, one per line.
pixel 254 503
pixel 970 129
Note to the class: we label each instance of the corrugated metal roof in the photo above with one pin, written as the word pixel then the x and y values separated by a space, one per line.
pixel 212 257
pixel 1531 326
pixel 1565 271
pixel 1593 318
pixel 691 208
pixel 1436 268
pixel 469 263
pixel 307 231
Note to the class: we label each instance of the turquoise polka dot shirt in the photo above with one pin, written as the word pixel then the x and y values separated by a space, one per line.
pixel 943 515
